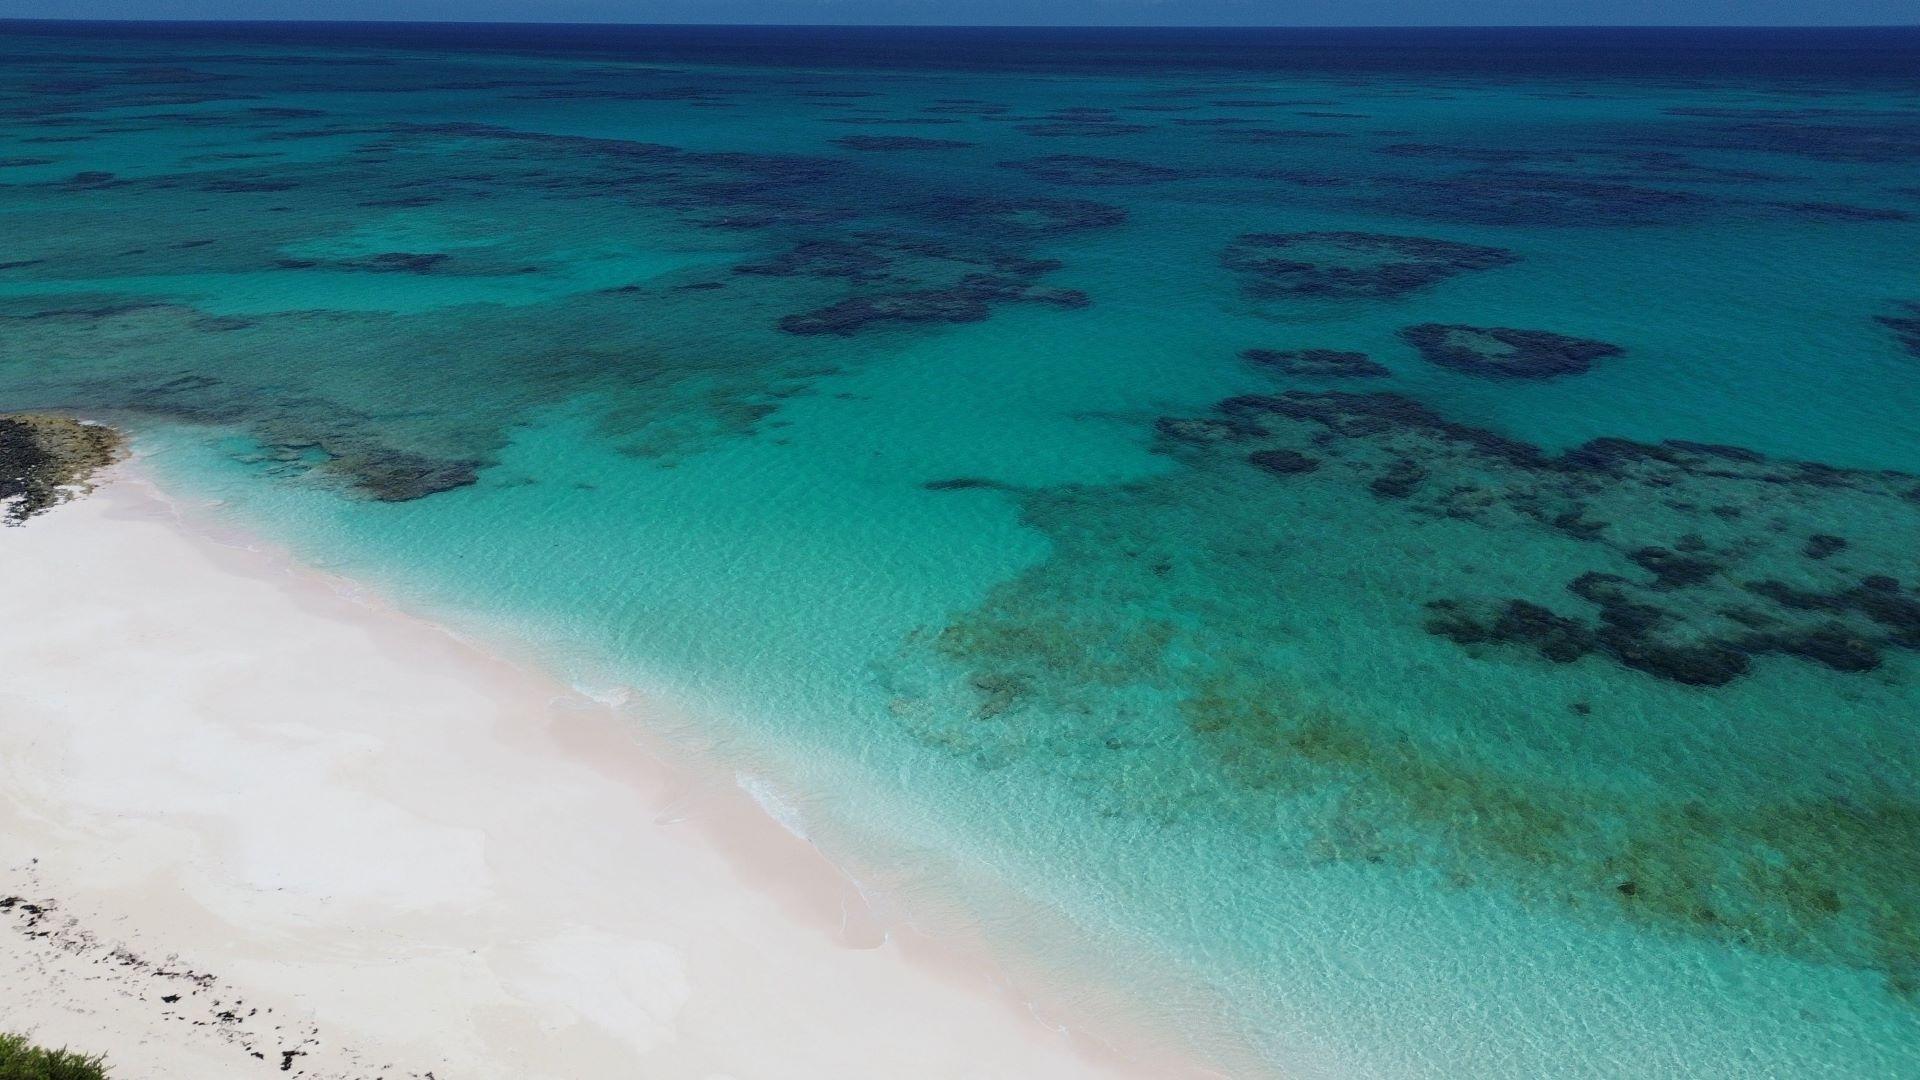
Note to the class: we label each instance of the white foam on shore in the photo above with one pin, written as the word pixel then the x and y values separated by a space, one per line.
pixel 411 852
pixel 768 800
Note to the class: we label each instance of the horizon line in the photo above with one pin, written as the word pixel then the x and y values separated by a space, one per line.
pixel 6 19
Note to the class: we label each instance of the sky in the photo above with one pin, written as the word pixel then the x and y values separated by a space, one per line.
pixel 1015 12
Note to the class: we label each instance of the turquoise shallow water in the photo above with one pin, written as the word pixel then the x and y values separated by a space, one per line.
pixel 1400 551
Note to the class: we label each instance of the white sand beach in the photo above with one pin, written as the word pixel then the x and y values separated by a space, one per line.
pixel 256 824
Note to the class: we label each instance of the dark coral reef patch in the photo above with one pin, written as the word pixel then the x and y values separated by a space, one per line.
pixel 1352 265
pixel 1253 135
pixel 1841 212
pixel 968 300
pixel 853 258
pixel 1844 136
pixel 1536 197
pixel 1081 169
pixel 1080 122
pixel 1206 646
pixel 1008 218
pixel 1906 328
pixel 1317 363
pixel 906 278
pixel 1505 353
pixel 354 422
pixel 898 142
pixel 1660 597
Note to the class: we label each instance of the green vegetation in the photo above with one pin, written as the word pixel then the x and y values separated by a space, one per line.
pixel 20 1060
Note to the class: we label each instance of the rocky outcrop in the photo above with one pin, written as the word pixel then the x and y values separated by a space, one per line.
pixel 46 459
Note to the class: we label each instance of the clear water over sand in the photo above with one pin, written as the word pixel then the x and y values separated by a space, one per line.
pixel 1402 549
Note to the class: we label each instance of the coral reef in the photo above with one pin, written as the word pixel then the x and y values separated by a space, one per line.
pixel 1596 758
pixel 1083 170
pixel 1536 197
pixel 967 300
pixel 1659 597
pixel 1351 265
pixel 1080 122
pixel 1505 353
pixel 1906 328
pixel 898 142
pixel 1317 363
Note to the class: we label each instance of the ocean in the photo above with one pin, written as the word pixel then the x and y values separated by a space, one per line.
pixel 1397 553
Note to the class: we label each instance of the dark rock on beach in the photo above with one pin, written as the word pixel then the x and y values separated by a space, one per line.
pixel 45 459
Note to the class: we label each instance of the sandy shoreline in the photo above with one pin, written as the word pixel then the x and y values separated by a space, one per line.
pixel 257 825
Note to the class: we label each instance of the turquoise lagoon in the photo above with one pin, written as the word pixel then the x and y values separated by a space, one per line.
pixel 1398 550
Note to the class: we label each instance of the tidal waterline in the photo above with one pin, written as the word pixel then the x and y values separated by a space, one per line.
pixel 1404 546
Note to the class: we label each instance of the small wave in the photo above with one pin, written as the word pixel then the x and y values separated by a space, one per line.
pixel 772 804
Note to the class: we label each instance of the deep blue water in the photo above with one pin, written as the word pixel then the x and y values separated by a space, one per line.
pixel 1401 549
pixel 1849 53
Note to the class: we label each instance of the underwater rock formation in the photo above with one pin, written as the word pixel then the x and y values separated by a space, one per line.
pixel 963 483
pixel 1351 265
pixel 1097 647
pixel 967 107
pixel 967 300
pixel 1596 756
pixel 1266 136
pixel 1284 462
pixel 1009 219
pixel 1831 211
pixel 45 459
pixel 1843 136
pixel 401 476
pixel 1660 597
pixel 898 142
pixel 1317 363
pixel 1080 122
pixel 1482 155
pixel 1906 328
pixel 1504 353
pixel 406 262
pixel 1535 197
pixel 826 258
pixel 1081 169
pixel 921 278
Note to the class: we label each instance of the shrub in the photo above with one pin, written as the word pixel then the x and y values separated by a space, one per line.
pixel 20 1060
